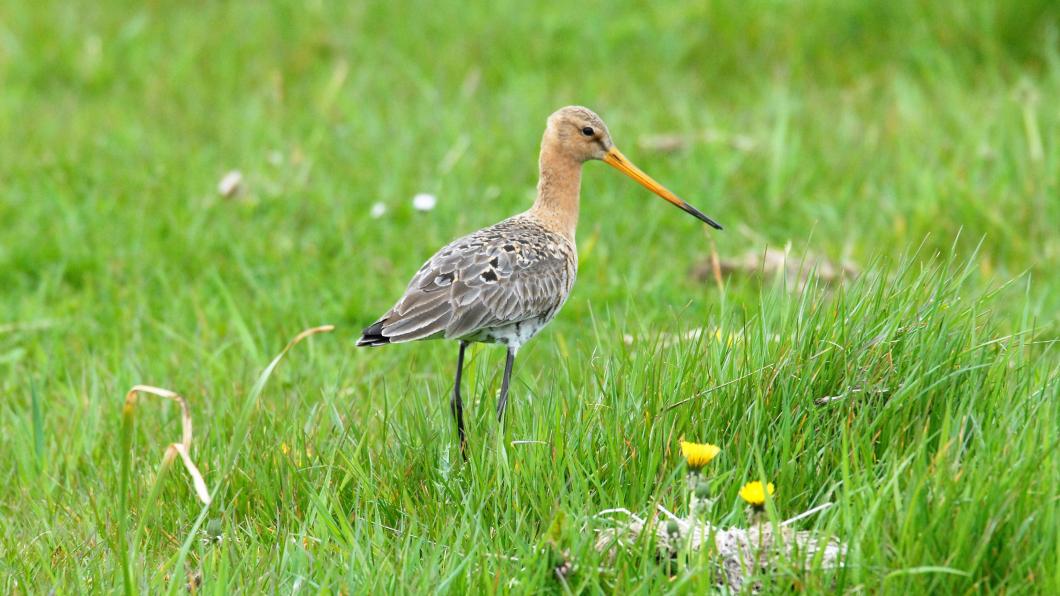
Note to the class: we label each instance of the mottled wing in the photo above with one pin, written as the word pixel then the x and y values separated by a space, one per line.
pixel 504 274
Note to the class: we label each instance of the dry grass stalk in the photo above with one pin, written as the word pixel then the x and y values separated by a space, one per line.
pixel 674 142
pixel 182 448
pixel 696 334
pixel 27 326
pixel 715 265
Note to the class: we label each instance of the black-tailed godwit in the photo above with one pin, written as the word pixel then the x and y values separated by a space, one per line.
pixel 504 283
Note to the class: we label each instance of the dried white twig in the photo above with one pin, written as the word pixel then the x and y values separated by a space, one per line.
pixel 738 555
pixel 805 514
pixel 797 270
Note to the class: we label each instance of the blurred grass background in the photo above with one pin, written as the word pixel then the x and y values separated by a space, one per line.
pixel 880 133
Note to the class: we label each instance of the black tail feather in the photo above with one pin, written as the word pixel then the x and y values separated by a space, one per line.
pixel 373 335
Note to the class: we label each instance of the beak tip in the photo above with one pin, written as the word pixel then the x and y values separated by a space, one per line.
pixel 701 216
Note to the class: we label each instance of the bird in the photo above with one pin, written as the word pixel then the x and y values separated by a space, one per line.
pixel 504 283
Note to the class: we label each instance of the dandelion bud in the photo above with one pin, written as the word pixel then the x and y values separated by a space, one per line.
pixel 214 529
pixel 702 490
pixel 673 528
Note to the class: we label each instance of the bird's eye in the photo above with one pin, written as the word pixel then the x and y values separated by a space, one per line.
pixel 588 131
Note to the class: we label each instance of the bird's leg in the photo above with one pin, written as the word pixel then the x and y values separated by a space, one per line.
pixel 455 404
pixel 503 400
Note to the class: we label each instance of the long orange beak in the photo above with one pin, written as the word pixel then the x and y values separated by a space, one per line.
pixel 615 159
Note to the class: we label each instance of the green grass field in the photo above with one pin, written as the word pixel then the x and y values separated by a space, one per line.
pixel 919 140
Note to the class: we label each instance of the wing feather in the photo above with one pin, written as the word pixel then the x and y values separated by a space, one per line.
pixel 514 271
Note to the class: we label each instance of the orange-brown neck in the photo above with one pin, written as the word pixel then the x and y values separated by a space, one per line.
pixel 557 190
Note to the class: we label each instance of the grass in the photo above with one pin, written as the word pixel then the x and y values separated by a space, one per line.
pixel 916 139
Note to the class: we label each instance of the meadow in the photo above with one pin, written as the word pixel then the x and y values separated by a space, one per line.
pixel 917 141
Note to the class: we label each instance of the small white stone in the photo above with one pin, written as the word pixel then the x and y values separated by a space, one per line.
pixel 230 184
pixel 378 210
pixel 424 201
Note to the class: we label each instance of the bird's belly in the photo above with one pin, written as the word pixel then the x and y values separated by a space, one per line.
pixel 512 335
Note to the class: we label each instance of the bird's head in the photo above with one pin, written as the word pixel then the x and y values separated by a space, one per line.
pixel 579 134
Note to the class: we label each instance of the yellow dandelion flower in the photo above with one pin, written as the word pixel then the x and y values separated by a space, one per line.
pixel 698 454
pixel 755 494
